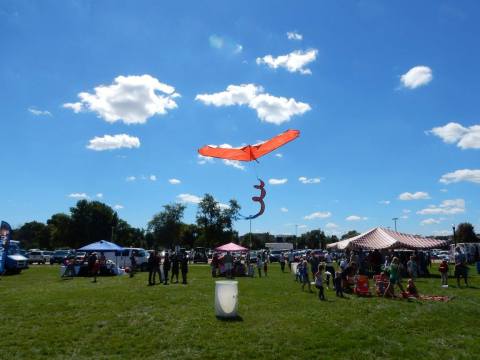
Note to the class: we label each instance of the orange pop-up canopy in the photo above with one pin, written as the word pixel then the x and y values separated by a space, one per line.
pixel 250 152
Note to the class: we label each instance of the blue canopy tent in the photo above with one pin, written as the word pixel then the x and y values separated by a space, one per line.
pixel 102 245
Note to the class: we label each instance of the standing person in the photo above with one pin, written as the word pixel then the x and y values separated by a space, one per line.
pixel 319 282
pixel 228 264
pixel 329 269
pixel 214 265
pixel 151 268
pixel 282 262
pixel 93 266
pixel 265 266
pixel 394 278
pixel 166 267
pixel 337 282
pixel 184 268
pixel 290 259
pixel 259 265
pixel 133 264
pixel 305 279
pixel 314 262
pixel 175 267
pixel 461 269
pixel 443 268
pixel 412 267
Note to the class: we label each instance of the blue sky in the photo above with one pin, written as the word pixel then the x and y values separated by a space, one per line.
pixel 385 96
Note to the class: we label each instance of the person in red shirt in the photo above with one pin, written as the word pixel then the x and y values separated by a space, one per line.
pixel 443 268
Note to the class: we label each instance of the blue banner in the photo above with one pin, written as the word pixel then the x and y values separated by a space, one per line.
pixel 5 237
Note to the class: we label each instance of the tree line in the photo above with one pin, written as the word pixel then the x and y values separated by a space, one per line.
pixel 91 221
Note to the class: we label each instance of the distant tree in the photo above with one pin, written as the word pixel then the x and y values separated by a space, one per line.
pixel 126 235
pixel 314 239
pixel 91 221
pixel 465 233
pixel 189 235
pixel 165 227
pixel 350 234
pixel 255 241
pixel 33 234
pixel 215 222
pixel 60 229
pixel 332 239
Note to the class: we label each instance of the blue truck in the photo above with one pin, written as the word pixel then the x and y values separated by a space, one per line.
pixel 15 262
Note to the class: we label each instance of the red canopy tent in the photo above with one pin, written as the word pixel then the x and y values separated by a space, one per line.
pixel 231 247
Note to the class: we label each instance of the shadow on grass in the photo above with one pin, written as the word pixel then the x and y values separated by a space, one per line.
pixel 237 318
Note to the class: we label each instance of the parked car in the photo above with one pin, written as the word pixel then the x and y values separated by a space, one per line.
pixel 274 255
pixel 59 256
pixel 37 256
pixel 200 255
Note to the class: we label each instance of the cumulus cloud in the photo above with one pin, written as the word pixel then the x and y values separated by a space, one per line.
pixel 131 178
pixel 461 175
pixel 78 196
pixel 447 207
pixel 419 195
pixel 279 155
pixel 305 180
pixel 130 99
pixel 118 207
pixel 277 181
pixel 37 112
pixel 111 142
pixel 331 225
pixel 174 181
pixel 430 221
pixel 318 215
pixel 189 198
pixel 384 202
pixel 464 137
pixel 355 218
pixel 152 178
pixel 283 209
pixel 269 108
pixel 99 195
pixel 234 163
pixel 224 43
pixel 202 160
pixel 293 62
pixel 416 77
pixel 293 35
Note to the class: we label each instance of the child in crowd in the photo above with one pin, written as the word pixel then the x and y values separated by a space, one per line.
pixel 443 268
pixel 304 278
pixel 411 289
pixel 319 282
pixel 265 267
pixel 337 283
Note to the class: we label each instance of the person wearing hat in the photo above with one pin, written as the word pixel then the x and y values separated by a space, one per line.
pixel 93 266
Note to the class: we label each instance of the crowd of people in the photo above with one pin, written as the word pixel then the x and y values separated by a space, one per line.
pixel 172 264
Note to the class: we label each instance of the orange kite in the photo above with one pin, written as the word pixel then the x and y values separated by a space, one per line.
pixel 249 152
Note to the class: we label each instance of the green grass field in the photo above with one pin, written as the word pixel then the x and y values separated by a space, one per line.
pixel 43 316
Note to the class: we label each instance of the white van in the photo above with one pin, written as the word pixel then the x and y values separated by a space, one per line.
pixel 122 258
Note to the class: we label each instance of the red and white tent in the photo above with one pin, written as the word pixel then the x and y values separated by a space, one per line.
pixel 231 247
pixel 380 238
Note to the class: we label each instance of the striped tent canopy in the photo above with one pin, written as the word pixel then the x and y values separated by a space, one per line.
pixel 380 238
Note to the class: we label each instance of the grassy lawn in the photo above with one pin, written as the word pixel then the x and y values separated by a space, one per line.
pixel 43 316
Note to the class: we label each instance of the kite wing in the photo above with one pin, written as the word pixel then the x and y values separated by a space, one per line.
pixel 250 152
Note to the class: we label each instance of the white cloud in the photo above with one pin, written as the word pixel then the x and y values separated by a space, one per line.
pixel 355 218
pixel 118 207
pixel 99 195
pixel 461 175
pixel 235 163
pixel 416 77
pixel 419 195
pixel 283 209
pixel 406 211
pixel 174 181
pixel 464 137
pixel 131 99
pixel 293 62
pixel 331 225
pixel 404 217
pixel 271 109
pixel 189 198
pixel 202 160
pixel 305 180
pixel 279 155
pixel 430 221
pixel 78 196
pixel 303 226
pixel 318 215
pixel 223 206
pixel 293 35
pixel 111 142
pixel 224 43
pixel 131 178
pixel 37 112
pixel 447 207
pixel 152 178
pixel 444 190
pixel 277 181
pixel 384 202
pixel 442 232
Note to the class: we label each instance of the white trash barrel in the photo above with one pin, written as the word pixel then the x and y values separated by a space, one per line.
pixel 226 298
pixel 294 267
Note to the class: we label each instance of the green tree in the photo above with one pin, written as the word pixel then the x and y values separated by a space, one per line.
pixel 314 239
pixel 33 234
pixel 189 235
pixel 91 221
pixel 165 227
pixel 350 234
pixel 465 233
pixel 126 235
pixel 59 227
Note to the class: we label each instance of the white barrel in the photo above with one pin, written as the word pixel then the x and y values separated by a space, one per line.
pixel 294 267
pixel 226 298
